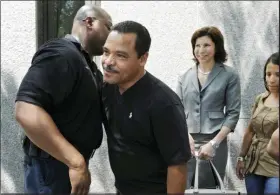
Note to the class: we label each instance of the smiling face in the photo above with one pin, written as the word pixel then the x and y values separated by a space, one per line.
pixel 120 60
pixel 272 77
pixel 204 50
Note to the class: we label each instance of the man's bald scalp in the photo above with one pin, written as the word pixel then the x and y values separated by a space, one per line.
pixel 90 11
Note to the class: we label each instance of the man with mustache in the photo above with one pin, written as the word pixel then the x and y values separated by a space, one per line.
pixel 58 104
pixel 147 135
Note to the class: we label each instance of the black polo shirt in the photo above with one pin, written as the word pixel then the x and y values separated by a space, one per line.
pixel 147 133
pixel 66 83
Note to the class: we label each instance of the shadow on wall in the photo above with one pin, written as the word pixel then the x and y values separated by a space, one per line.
pixel 11 151
pixel 12 172
pixel 251 39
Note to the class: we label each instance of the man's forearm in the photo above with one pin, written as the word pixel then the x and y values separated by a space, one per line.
pixel 42 131
pixel 176 179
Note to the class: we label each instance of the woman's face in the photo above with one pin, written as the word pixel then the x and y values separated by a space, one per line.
pixel 272 77
pixel 204 50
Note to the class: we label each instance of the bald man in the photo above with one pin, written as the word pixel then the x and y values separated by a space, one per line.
pixel 273 145
pixel 58 105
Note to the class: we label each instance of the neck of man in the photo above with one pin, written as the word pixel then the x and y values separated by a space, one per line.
pixel 82 41
pixel 207 67
pixel 127 85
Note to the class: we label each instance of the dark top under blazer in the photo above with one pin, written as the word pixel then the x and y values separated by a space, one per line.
pixel 204 108
pixel 147 133
pixel 64 82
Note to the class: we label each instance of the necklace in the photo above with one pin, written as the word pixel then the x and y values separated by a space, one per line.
pixel 205 73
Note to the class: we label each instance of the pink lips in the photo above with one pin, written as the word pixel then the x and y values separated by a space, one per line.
pixel 108 74
pixel 273 87
pixel 202 57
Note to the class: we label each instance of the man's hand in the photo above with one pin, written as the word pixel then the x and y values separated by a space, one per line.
pixel 80 179
pixel 191 141
pixel 206 152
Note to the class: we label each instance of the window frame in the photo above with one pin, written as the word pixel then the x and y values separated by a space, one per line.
pixel 42 24
pixel 42 33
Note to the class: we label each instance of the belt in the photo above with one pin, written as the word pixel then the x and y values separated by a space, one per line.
pixel 33 151
pixel 257 140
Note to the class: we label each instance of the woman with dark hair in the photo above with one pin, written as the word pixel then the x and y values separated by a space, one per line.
pixel 260 170
pixel 210 93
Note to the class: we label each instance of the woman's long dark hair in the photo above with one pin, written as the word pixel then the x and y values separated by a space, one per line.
pixel 274 58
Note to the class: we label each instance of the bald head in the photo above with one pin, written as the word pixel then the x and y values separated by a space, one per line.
pixel 91 11
pixel 91 26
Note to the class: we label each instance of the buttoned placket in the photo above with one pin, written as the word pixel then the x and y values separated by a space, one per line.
pixel 199 111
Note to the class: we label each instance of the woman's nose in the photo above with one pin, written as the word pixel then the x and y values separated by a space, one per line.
pixel 273 77
pixel 201 50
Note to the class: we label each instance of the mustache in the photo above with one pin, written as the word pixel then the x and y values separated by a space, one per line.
pixel 109 68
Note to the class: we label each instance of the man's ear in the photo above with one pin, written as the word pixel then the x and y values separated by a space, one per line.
pixel 89 21
pixel 143 59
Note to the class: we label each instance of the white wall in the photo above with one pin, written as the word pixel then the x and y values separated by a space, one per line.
pixel 18 44
pixel 251 31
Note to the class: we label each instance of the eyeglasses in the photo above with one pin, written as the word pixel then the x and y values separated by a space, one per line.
pixel 108 26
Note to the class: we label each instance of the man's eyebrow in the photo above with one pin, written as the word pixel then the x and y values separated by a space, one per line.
pixel 117 51
pixel 121 52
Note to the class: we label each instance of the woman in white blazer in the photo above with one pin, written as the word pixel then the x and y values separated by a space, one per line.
pixel 210 93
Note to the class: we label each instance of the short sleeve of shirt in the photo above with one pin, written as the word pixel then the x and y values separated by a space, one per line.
pixel 171 134
pixel 48 81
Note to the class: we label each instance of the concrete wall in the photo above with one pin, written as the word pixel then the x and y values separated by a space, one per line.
pixel 18 44
pixel 251 34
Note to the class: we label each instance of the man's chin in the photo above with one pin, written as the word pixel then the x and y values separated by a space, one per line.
pixel 109 81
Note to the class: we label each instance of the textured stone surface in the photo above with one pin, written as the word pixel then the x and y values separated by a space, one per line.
pixel 18 44
pixel 251 32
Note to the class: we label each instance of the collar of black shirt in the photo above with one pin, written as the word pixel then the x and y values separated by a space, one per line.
pixel 140 89
pixel 74 40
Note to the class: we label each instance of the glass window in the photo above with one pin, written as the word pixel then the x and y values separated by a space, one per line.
pixel 55 18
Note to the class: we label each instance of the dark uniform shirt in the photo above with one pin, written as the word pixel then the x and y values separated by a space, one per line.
pixel 67 84
pixel 147 133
